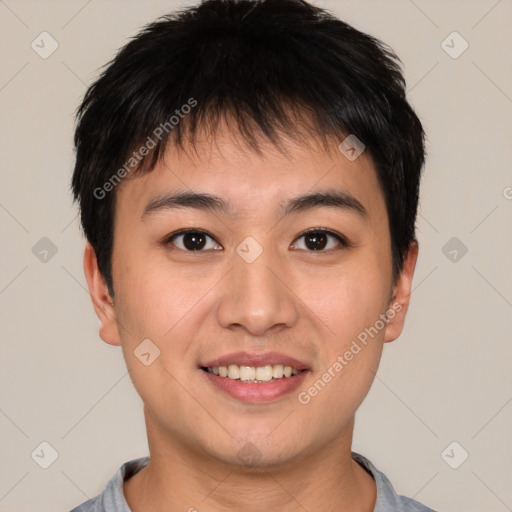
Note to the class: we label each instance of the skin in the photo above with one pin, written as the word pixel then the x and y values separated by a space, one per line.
pixel 307 304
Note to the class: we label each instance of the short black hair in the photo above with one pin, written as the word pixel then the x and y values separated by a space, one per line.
pixel 263 63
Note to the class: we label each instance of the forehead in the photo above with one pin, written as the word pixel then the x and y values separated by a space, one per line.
pixel 249 181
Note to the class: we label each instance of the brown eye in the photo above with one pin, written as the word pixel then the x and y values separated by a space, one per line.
pixel 192 240
pixel 320 240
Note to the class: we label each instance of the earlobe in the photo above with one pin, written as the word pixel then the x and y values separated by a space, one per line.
pixel 402 293
pixel 101 299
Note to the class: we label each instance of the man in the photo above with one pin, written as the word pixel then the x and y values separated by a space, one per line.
pixel 248 176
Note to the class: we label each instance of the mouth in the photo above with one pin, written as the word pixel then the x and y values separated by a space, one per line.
pixel 255 378
pixel 253 374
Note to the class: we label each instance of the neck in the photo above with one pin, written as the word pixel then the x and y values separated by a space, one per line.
pixel 179 478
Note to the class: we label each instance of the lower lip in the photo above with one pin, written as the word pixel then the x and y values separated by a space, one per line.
pixel 256 393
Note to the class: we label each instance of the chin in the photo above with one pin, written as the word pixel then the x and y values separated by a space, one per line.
pixel 257 454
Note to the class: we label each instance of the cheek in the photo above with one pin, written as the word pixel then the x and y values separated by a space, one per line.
pixel 350 352
pixel 155 305
pixel 152 298
pixel 167 306
pixel 350 300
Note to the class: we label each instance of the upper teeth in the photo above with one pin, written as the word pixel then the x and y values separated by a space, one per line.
pixel 251 373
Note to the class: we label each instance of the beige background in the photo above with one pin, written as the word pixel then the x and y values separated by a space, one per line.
pixel 446 379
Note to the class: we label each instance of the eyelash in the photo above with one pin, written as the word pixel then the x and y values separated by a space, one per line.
pixel 340 238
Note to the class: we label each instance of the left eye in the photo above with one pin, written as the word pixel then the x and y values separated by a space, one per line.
pixel 318 240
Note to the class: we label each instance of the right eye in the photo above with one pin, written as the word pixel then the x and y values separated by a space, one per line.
pixel 191 240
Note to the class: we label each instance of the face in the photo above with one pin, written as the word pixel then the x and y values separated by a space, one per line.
pixel 269 281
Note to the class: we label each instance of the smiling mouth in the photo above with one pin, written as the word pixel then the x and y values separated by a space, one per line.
pixel 253 374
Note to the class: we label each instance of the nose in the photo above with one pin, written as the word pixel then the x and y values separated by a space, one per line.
pixel 257 297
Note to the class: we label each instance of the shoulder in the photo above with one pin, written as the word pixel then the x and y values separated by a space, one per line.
pixel 112 498
pixel 92 505
pixel 387 499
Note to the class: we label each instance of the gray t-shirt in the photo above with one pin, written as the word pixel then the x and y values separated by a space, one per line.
pixel 112 498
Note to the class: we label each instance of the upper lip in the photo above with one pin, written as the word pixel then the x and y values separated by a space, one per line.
pixel 256 360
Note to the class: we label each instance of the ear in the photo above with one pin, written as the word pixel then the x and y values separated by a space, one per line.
pixel 401 295
pixel 100 296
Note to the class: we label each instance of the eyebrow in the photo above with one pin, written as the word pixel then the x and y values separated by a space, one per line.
pixel 206 202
